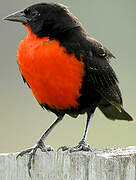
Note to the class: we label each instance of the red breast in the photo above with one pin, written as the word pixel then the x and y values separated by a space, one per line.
pixel 54 76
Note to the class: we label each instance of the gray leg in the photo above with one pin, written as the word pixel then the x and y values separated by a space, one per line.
pixel 82 145
pixel 87 127
pixel 40 144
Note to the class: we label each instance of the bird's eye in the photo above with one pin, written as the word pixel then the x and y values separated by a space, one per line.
pixel 34 13
pixel 27 11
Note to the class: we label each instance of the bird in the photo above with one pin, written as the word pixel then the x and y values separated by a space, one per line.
pixel 67 70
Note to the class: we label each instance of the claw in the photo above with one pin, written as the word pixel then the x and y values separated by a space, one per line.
pixel 32 152
pixel 82 146
pixel 29 165
pixel 24 152
pixel 63 148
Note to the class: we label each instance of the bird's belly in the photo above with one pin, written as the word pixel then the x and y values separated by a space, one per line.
pixel 54 76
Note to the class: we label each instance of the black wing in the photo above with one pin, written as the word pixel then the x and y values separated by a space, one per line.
pixel 103 79
pixel 100 74
pixel 98 49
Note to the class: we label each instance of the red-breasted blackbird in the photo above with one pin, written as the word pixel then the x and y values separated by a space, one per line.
pixel 67 70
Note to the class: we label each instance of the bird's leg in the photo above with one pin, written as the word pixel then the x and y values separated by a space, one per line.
pixel 40 144
pixel 82 145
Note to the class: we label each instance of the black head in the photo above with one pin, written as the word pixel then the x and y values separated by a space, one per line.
pixel 46 19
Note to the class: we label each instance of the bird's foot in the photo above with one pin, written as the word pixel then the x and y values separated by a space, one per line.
pixel 32 151
pixel 82 146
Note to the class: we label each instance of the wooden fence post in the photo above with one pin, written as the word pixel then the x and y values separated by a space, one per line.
pixel 101 164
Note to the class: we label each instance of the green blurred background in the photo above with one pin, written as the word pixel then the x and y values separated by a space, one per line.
pixel 22 120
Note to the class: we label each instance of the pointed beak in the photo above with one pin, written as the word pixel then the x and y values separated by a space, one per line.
pixel 17 17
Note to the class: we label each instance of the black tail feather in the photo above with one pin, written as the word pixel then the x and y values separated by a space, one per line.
pixel 114 113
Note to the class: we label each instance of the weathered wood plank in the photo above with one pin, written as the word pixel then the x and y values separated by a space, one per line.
pixel 104 164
